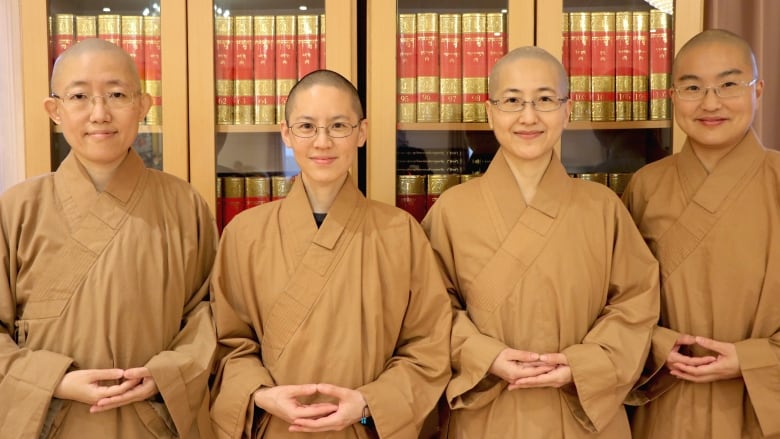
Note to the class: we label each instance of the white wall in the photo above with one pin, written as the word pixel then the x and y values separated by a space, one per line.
pixel 11 126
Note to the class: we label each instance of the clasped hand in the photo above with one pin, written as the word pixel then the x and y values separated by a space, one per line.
pixel 284 403
pixel 526 370
pixel 705 369
pixel 87 386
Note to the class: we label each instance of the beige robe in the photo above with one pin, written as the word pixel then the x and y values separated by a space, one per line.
pixel 568 273
pixel 358 303
pixel 717 239
pixel 138 303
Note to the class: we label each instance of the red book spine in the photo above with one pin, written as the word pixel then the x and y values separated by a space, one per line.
pixel 322 41
pixel 451 69
pixel 623 72
pixel 133 43
pixel 153 68
pixel 565 44
pixel 224 71
pixel 640 64
pixel 258 191
pixel 602 66
pixel 580 65
pixel 427 67
pixel 63 33
pixel 410 195
pixel 475 71
pixel 407 68
pixel 264 70
pixel 660 64
pixel 308 44
pixel 110 28
pixel 286 61
pixel 243 61
pixel 496 38
pixel 234 200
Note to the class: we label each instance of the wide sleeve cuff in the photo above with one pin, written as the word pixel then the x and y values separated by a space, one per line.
pixel 471 385
pixel 594 399
pixel 758 360
pixel 655 379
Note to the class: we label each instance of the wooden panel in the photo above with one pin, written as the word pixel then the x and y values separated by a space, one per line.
pixel 688 21
pixel 174 88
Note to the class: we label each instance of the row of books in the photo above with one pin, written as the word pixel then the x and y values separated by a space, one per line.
pixel 616 181
pixel 619 64
pixel 443 61
pixel 417 193
pixel 236 193
pixel 258 59
pixel 138 35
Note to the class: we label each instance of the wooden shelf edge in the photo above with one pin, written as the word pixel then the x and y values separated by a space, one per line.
pixel 248 128
pixel 627 125
pixel 464 126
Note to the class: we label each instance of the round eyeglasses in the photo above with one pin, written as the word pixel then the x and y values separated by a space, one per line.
pixel 335 130
pixel 512 104
pixel 83 101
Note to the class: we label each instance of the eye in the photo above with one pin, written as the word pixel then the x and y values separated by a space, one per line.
pixel 75 97
pixel 729 84
pixel 338 125
pixel 116 95
pixel 305 126
pixel 511 100
pixel 545 99
pixel 690 87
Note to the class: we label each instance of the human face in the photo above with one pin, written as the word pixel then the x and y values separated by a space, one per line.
pixel 528 135
pixel 715 123
pixel 324 160
pixel 99 135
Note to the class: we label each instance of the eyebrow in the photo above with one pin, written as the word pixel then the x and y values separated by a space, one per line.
pixel 722 74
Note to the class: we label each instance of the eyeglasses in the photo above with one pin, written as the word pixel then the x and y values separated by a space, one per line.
pixel 82 102
pixel 335 130
pixel 729 89
pixel 512 104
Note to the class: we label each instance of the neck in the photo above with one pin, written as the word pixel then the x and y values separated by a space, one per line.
pixel 528 173
pixel 101 173
pixel 709 157
pixel 322 196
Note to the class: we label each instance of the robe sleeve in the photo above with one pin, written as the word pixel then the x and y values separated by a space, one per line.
pixel 609 360
pixel 27 378
pixel 759 360
pixel 472 353
pixel 415 376
pixel 181 372
pixel 240 370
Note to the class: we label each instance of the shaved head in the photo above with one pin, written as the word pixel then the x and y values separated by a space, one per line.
pixel 90 46
pixel 528 52
pixel 720 37
pixel 327 78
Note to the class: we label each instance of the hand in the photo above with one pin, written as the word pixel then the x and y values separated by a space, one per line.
pixel 349 411
pixel 558 376
pixel 675 358
pixel 282 402
pixel 143 387
pixel 723 367
pixel 84 385
pixel 512 364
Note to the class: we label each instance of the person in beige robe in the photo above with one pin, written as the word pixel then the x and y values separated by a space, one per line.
pixel 554 293
pixel 104 266
pixel 330 309
pixel 711 216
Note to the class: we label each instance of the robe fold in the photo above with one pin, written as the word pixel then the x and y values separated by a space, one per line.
pixel 115 279
pixel 358 303
pixel 717 239
pixel 566 273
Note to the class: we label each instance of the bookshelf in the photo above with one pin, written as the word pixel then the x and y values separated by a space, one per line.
pixel 528 22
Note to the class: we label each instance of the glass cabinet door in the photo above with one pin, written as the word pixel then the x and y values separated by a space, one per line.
pixel 137 26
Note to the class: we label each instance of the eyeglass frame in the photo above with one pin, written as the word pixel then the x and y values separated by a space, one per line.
pixel 105 95
pixel 560 101
pixel 715 89
pixel 326 128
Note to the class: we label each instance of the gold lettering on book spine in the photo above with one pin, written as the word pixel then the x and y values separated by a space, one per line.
pixel 623 56
pixel 244 87
pixel 580 84
pixel 451 83
pixel 265 88
pixel 474 38
pixel 86 27
pixel 407 85
pixel 410 185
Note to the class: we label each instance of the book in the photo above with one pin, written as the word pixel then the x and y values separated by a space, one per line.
pixel 623 65
pixel 153 68
pixel 258 190
pixel 640 64
pixel 133 43
pixel 660 64
pixel 406 68
pixel 427 67
pixel 580 65
pixel 475 72
pixel 308 38
pixel 265 69
pixel 234 197
pixel 286 61
pixel 451 68
pixel 220 204
pixel 86 27
pixel 496 38
pixel 565 44
pixel 63 36
pixel 437 184
pixel 243 70
pixel 322 41
pixel 109 28
pixel 224 70
pixel 410 195
pixel 280 186
pixel 602 51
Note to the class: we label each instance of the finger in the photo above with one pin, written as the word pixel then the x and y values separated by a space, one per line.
pixel 334 391
pixel 554 358
pixel 117 389
pixel 692 378
pixel 314 411
pixel 527 372
pixel 686 339
pixel 295 391
pixel 332 422
pixel 676 357
pixel 94 375
pixel 137 393
pixel 518 355
pixel 713 345
pixel 137 373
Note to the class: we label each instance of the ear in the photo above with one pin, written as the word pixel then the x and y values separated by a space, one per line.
pixel 145 105
pixel 285 130
pixel 489 112
pixel 759 88
pixel 362 133
pixel 567 106
pixel 52 109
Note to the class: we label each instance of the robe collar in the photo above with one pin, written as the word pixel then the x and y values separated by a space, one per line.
pixel 710 190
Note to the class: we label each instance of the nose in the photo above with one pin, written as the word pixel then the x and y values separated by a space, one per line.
pixel 710 100
pixel 321 138
pixel 99 111
pixel 527 114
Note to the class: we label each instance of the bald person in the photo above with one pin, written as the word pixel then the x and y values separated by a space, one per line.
pixel 104 268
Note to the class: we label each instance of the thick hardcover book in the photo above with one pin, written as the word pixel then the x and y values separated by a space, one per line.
pixel 224 70
pixel 280 186
pixel 451 69
pixel 308 44
pixel 475 71
pixel 427 67
pixel 286 61
pixel 660 64
pixel 133 43
pixel 322 41
pixel 406 69
pixel 234 199
pixel 110 28
pixel 580 65
pixel 410 195
pixel 565 44
pixel 496 38
pixel 623 59
pixel 640 64
pixel 438 183
pixel 63 33
pixel 243 62
pixel 153 68
pixel 258 190
pixel 86 27
pixel 602 47
pixel 265 69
